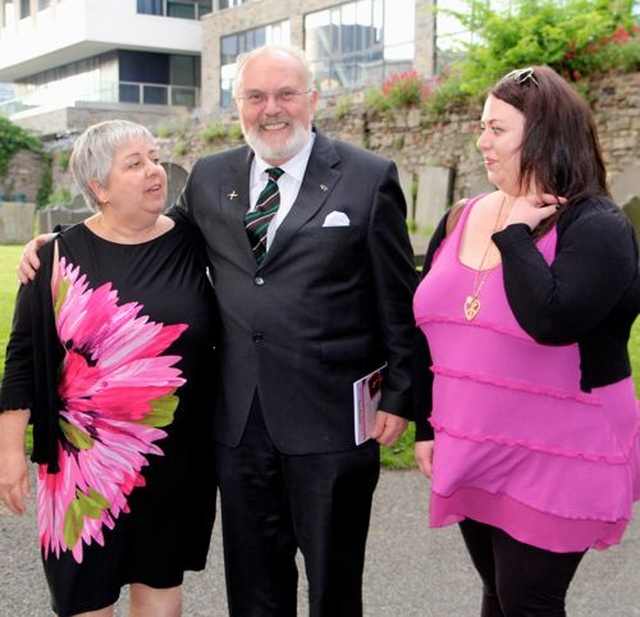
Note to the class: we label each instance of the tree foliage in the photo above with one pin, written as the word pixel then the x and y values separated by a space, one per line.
pixel 14 138
pixel 575 37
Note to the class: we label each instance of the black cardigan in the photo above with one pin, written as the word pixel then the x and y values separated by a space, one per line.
pixel 589 295
pixel 33 356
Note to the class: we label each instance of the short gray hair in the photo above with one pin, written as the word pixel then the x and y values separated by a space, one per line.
pixel 295 52
pixel 92 155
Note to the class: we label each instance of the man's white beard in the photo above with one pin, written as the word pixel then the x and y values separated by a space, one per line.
pixel 284 152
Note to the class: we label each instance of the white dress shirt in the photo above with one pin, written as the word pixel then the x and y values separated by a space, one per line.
pixel 288 184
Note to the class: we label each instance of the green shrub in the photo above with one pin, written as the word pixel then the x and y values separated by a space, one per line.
pixel 59 197
pixel 235 132
pixel 214 132
pixel 343 107
pixel 180 148
pixel 577 38
pixel 172 129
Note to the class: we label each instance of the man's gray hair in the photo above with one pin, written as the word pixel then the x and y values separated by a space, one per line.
pixel 293 51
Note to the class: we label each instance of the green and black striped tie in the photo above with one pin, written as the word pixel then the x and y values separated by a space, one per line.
pixel 257 221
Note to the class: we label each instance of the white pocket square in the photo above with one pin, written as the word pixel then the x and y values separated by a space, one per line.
pixel 336 219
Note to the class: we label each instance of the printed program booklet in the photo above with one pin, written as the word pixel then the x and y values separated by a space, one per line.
pixel 366 397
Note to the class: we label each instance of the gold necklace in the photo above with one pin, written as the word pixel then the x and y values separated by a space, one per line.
pixel 472 302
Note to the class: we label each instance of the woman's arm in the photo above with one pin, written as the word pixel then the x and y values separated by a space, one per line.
pixel 14 470
pixel 595 262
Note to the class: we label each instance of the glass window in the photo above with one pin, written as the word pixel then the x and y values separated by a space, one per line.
pixel 204 8
pixel 154 95
pixel 241 42
pixel 129 93
pixel 184 70
pixel 187 9
pixel 183 96
pixel 347 44
pixel 184 9
pixel 150 7
pixel 227 4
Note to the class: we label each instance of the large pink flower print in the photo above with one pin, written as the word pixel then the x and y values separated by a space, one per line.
pixel 117 390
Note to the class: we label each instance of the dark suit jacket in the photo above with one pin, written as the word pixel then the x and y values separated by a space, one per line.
pixel 327 306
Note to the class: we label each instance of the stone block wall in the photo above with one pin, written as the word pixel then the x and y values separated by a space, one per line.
pixel 437 152
pixel 16 222
pixel 23 178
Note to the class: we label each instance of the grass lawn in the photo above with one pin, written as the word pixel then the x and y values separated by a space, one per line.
pixel 9 258
pixel 398 457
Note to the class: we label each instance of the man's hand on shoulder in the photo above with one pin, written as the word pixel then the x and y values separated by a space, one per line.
pixel 29 262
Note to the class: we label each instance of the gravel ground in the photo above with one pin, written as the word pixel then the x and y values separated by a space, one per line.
pixel 411 571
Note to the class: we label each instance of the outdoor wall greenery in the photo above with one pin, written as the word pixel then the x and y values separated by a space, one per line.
pixel 14 138
pixel 577 38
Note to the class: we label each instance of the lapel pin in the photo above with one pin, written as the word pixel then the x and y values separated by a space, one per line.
pixel 324 188
pixel 232 195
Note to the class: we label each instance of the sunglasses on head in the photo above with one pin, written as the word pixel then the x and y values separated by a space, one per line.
pixel 520 76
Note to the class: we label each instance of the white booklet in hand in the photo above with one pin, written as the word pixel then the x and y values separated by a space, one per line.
pixel 366 397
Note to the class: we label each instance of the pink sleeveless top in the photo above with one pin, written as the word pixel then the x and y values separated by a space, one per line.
pixel 518 445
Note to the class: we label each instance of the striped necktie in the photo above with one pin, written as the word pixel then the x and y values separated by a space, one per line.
pixel 257 221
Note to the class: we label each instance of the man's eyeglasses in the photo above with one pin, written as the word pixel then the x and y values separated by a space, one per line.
pixel 520 76
pixel 258 97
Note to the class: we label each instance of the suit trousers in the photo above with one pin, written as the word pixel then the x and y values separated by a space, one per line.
pixel 519 580
pixel 273 504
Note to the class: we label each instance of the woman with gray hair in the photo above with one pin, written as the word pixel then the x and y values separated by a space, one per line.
pixel 110 358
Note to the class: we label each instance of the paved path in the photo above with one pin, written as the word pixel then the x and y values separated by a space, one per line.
pixel 411 571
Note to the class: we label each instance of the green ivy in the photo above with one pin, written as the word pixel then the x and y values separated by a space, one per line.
pixel 46 184
pixel 14 138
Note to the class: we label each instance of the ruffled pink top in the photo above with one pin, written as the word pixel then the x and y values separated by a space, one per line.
pixel 518 445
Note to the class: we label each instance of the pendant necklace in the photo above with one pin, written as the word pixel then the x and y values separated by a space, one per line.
pixel 472 302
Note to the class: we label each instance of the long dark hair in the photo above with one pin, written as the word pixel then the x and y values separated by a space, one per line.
pixel 560 148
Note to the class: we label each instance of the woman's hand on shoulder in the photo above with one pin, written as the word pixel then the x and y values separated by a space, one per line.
pixel 423 452
pixel 533 208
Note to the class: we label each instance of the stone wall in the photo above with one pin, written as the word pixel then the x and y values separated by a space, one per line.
pixel 437 158
pixel 16 222
pixel 23 178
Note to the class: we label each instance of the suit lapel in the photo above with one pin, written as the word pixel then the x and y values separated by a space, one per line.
pixel 235 198
pixel 319 179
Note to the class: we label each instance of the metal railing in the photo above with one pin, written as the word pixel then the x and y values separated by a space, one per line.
pixel 118 92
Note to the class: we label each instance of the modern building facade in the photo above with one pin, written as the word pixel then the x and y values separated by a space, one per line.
pixel 170 55
pixel 59 53
pixel 350 44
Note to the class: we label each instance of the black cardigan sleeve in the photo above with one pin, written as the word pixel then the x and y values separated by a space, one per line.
pixel 595 262
pixel 32 361
pixel 422 375
pixel 589 294
pixel 17 390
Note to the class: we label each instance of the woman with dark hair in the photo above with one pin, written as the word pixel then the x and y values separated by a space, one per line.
pixel 527 304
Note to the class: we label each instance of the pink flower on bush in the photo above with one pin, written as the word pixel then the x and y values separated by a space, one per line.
pixel 117 391
pixel 407 88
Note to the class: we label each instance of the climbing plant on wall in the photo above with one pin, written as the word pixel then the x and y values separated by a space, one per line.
pixel 14 138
